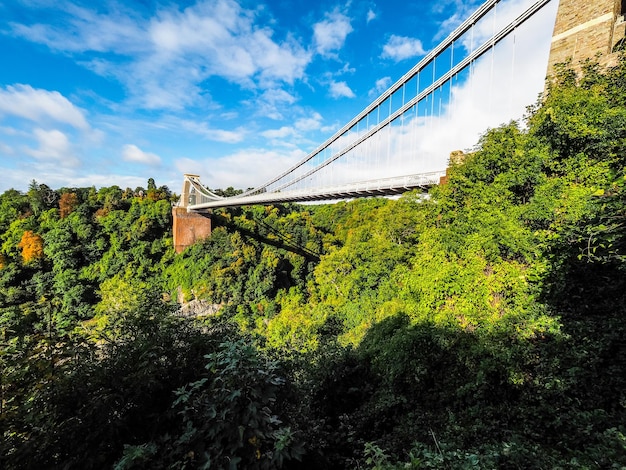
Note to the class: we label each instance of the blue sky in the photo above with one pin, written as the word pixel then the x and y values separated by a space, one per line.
pixel 111 92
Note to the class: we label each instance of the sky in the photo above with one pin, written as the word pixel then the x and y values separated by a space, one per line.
pixel 101 93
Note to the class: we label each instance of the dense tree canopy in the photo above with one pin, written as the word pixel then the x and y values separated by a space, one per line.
pixel 479 326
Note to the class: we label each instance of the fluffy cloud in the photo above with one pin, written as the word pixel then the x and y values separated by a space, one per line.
pixel 6 150
pixel 340 90
pixel 220 38
pixel 271 103
pixel 132 153
pixel 114 32
pixel 295 132
pixel 281 133
pixel 163 60
pixel 400 48
pixel 312 123
pixel 213 38
pixel 381 85
pixel 243 169
pixel 53 145
pixel 36 105
pixel 330 34
pixel 202 129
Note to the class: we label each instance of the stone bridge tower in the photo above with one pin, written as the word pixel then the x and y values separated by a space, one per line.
pixel 586 28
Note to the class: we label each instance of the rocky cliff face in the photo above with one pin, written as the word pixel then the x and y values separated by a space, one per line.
pixel 198 308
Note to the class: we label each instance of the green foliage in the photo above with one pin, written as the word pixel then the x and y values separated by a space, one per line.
pixel 585 118
pixel 513 294
pixel 75 405
pixel 226 419
pixel 248 261
pixel 481 326
pixel 13 205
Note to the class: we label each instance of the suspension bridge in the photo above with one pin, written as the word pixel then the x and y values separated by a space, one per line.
pixel 402 140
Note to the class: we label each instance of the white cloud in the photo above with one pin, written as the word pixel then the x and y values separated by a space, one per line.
pixel 310 123
pixel 36 105
pixel 284 62
pixel 281 133
pixel 370 15
pixel 53 145
pixel 330 34
pixel 217 135
pixel 229 115
pixel 6 150
pixel 193 166
pixel 330 128
pixel 400 48
pixel 271 103
pixel 381 85
pixel 11 131
pixel 295 132
pixel 163 60
pixel 345 69
pixel 78 34
pixel 340 90
pixel 243 169
pixel 222 135
pixel 132 153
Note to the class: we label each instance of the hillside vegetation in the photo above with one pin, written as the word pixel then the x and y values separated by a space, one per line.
pixel 482 326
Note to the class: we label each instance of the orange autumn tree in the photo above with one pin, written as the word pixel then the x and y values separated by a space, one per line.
pixel 31 245
pixel 67 204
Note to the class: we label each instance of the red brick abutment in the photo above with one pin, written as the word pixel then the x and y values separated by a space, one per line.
pixel 189 227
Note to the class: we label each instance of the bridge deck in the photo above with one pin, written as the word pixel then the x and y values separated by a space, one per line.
pixel 378 187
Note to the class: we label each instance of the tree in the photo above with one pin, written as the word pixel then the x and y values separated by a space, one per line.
pixel 35 197
pixel 13 204
pixel 81 413
pixel 227 419
pixel 40 197
pixel 110 198
pixel 31 245
pixel 67 204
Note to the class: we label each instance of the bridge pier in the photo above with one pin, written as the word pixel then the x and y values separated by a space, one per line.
pixel 189 227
